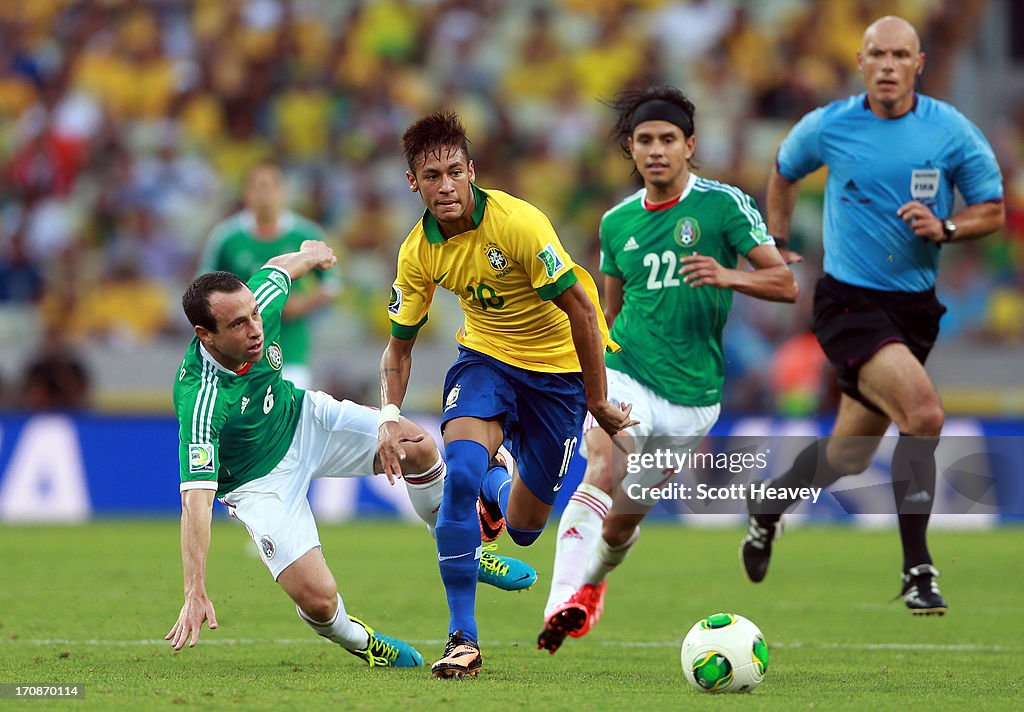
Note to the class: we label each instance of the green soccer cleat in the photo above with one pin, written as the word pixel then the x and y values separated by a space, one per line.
pixel 384 651
pixel 504 572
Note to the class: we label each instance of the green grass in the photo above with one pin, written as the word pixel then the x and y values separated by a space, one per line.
pixel 91 604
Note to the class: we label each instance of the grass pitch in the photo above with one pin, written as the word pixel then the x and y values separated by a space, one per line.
pixel 90 604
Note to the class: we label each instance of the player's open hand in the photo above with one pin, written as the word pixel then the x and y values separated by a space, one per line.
pixel 613 417
pixel 700 270
pixel 196 609
pixel 391 448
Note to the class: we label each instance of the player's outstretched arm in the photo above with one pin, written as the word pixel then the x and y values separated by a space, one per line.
pixel 586 337
pixel 196 512
pixel 395 367
pixel 311 254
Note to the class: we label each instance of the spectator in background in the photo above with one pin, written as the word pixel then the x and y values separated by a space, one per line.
pixel 55 377
pixel 366 238
pixel 265 228
pixel 179 188
pixel 123 307
pixel 141 238
pixel 966 289
pixel 21 279
pixel 800 377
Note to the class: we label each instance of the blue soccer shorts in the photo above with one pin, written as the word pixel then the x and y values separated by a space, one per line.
pixel 543 414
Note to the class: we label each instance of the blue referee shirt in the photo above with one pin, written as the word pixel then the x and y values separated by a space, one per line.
pixel 875 166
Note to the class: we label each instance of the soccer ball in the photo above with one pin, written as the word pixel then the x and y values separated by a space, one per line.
pixel 724 653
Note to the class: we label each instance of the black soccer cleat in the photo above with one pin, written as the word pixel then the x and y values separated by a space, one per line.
pixel 920 592
pixel 756 549
pixel 461 658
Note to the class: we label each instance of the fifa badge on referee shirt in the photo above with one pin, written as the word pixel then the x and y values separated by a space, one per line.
pixel 924 183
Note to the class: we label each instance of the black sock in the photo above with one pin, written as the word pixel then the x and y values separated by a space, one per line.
pixel 810 469
pixel 913 486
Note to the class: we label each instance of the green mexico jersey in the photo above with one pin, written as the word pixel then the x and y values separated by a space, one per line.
pixel 233 428
pixel 234 247
pixel 671 333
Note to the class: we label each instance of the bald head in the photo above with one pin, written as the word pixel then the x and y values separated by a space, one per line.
pixel 891 30
pixel 890 58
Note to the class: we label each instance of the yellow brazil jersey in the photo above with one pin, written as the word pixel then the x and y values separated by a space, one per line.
pixel 505 271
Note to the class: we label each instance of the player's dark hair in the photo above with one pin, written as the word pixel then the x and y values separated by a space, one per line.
pixel 627 102
pixel 431 134
pixel 196 299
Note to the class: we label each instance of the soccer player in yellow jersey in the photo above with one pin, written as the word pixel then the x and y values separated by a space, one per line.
pixel 530 362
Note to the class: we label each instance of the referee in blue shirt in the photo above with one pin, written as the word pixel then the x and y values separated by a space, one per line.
pixel 894 157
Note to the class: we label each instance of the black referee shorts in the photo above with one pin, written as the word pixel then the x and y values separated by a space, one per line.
pixel 853 323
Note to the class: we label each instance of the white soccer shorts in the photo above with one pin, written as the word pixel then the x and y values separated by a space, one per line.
pixel 663 425
pixel 332 439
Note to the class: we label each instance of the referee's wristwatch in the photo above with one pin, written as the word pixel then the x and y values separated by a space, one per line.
pixel 948 230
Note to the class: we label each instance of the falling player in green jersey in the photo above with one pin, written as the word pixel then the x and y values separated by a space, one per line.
pixel 252 439
pixel 265 228
pixel 669 254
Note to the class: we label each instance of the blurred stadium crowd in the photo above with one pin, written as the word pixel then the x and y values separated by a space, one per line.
pixel 126 127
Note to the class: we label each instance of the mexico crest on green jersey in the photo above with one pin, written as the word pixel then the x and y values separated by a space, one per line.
pixel 274 356
pixel 687 232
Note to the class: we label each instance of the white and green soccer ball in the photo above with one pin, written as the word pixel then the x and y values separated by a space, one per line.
pixel 724 653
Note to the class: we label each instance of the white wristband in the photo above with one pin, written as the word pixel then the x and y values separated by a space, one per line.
pixel 389 414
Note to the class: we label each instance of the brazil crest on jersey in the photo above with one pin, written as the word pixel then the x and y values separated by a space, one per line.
pixel 671 333
pixel 235 428
pixel 235 247
pixel 505 271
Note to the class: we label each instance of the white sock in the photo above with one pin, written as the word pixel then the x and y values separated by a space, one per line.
pixel 579 531
pixel 425 493
pixel 339 629
pixel 605 558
